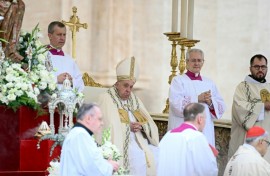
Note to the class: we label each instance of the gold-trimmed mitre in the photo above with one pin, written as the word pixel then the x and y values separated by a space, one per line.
pixel 127 69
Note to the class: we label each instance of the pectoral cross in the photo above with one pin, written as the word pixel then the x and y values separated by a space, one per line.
pixel 74 25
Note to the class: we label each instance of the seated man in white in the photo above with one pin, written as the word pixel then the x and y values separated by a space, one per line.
pixel 64 65
pixel 133 130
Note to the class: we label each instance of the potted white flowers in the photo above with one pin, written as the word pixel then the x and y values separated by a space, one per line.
pixel 21 83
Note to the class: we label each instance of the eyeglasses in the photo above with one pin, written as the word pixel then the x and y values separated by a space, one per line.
pixel 257 67
pixel 268 143
pixel 196 60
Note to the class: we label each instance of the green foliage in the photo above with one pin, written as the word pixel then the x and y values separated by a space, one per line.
pixel 106 135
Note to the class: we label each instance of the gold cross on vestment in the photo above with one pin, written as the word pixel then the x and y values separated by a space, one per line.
pixel 74 25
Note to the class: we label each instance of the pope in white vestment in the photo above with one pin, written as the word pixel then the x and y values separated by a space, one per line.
pixel 81 156
pixel 184 151
pixel 121 110
pixel 187 88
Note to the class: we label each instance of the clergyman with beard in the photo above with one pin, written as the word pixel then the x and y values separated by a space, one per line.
pixel 251 104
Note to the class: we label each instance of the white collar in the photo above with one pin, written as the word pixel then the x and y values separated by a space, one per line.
pixel 251 80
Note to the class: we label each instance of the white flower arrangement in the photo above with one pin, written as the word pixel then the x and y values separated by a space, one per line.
pixel 35 55
pixel 110 151
pixel 21 83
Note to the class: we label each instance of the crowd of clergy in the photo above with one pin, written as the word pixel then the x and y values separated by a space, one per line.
pixel 188 147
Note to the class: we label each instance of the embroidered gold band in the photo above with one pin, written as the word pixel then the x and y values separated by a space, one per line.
pixel 139 116
pixel 123 116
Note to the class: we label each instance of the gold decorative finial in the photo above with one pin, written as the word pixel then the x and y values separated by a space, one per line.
pixel 74 25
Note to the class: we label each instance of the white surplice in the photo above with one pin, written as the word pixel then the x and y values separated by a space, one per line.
pixel 137 162
pixel 64 64
pixel 81 156
pixel 186 153
pixel 247 161
pixel 183 91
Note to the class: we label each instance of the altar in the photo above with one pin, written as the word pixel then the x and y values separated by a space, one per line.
pixel 19 154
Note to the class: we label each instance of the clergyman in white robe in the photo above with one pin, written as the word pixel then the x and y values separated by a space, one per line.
pixel 81 156
pixel 184 151
pixel 248 111
pixel 185 89
pixel 247 161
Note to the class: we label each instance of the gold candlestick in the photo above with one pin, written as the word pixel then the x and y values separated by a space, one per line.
pixel 182 63
pixel 172 37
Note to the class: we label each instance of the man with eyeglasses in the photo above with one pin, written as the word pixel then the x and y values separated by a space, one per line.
pixel 191 87
pixel 248 159
pixel 251 104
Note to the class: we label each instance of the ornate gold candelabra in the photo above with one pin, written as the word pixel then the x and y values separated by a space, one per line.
pixel 172 36
pixel 182 63
pixel 176 39
pixel 74 25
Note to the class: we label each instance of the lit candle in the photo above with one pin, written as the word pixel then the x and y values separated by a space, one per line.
pixel 184 18
pixel 174 15
pixel 190 19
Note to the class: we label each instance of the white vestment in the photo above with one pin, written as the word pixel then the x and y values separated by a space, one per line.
pixel 183 91
pixel 247 161
pixel 248 111
pixel 64 64
pixel 186 153
pixel 139 149
pixel 137 161
pixel 81 156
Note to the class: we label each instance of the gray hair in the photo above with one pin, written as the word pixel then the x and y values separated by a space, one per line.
pixel 194 50
pixel 256 139
pixel 192 110
pixel 53 24
pixel 86 109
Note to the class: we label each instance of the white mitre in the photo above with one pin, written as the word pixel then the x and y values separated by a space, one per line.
pixel 127 69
